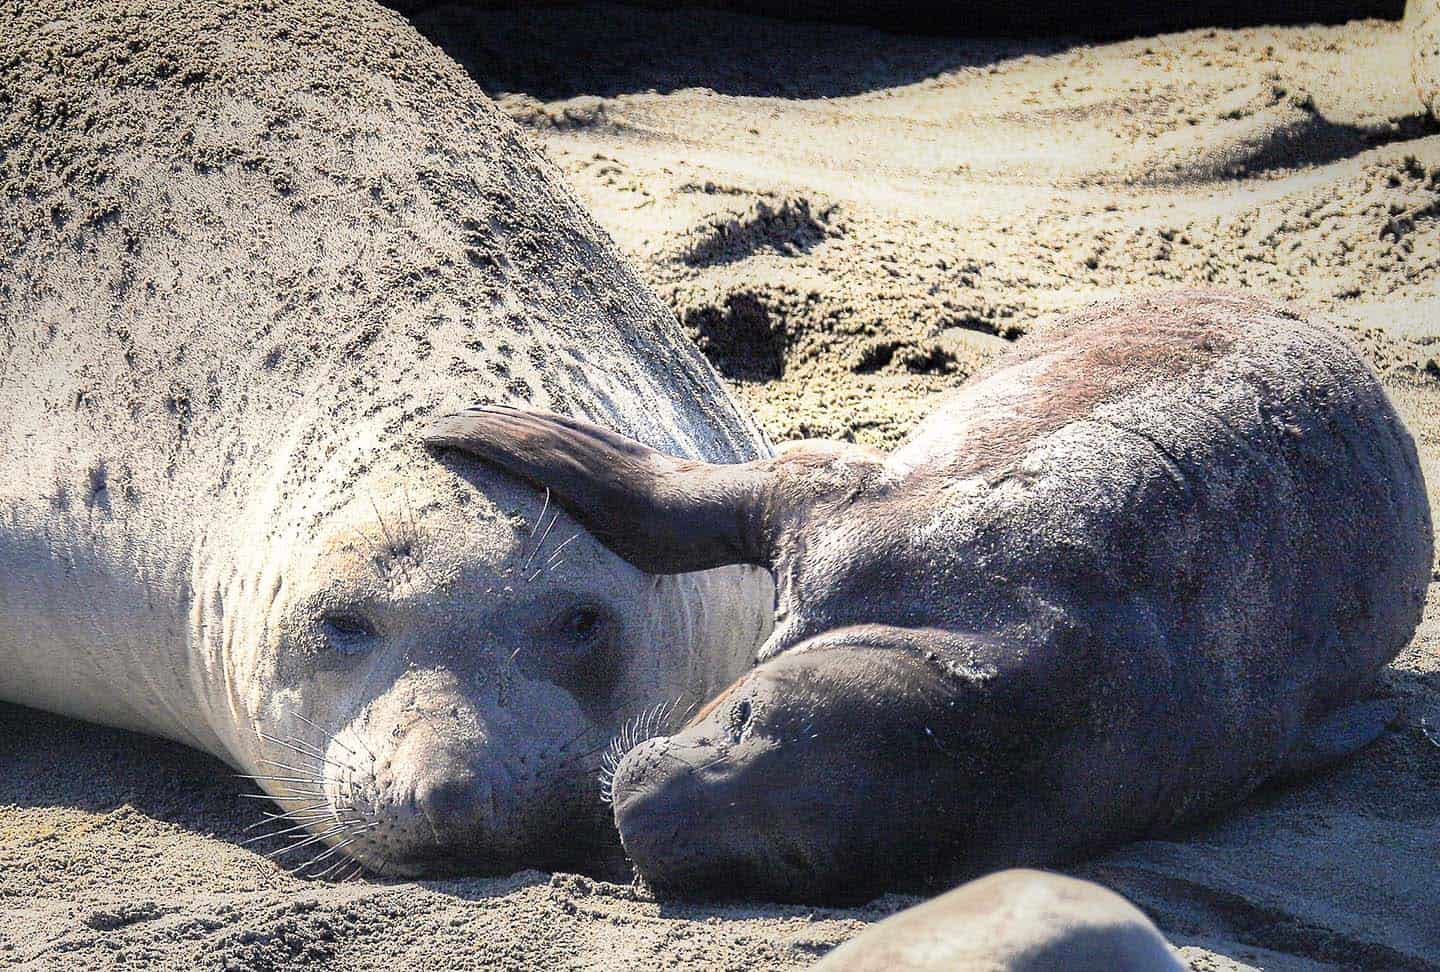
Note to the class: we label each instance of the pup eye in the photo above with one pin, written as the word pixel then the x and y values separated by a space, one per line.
pixel 347 632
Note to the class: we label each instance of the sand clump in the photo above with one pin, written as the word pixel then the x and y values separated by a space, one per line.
pixel 849 223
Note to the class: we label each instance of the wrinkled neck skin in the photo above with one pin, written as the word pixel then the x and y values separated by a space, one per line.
pixel 96 611
pixel 826 523
pixel 843 526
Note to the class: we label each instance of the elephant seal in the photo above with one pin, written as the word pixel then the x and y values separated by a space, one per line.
pixel 1012 921
pixel 247 251
pixel 1152 557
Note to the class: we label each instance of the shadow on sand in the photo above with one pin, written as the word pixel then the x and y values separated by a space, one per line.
pixel 554 52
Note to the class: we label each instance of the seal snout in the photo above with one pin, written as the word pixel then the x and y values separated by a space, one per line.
pixel 660 809
pixel 685 817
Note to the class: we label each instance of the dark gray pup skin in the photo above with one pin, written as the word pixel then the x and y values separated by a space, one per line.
pixel 1012 921
pixel 1152 557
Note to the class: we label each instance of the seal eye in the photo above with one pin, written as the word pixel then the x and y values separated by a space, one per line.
pixel 582 636
pixel 349 633
pixel 583 624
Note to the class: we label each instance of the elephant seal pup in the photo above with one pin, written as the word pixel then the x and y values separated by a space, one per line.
pixel 246 253
pixel 1012 921
pixel 1152 557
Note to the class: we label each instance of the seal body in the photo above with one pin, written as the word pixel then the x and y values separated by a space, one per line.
pixel 1149 559
pixel 1012 921
pixel 245 254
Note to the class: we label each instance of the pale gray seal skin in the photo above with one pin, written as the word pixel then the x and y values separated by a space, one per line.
pixel 1012 921
pixel 246 250
pixel 1151 558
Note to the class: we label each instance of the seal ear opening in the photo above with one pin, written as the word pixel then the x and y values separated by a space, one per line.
pixel 662 514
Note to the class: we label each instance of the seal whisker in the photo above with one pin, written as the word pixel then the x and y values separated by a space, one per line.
pixel 588 730
pixel 278 779
pixel 546 569
pixel 410 521
pixel 376 550
pixel 307 820
pixel 587 753
pixel 316 809
pixel 408 510
pixel 309 840
pixel 307 787
pixel 319 809
pixel 550 564
pixel 592 731
pixel 303 752
pixel 545 508
pixel 647 724
pixel 336 848
pixel 357 738
pixel 384 530
pixel 395 548
pixel 333 738
pixel 285 766
pixel 334 866
pixel 277 833
pixel 338 866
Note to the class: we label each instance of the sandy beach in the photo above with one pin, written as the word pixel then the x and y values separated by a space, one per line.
pixel 848 223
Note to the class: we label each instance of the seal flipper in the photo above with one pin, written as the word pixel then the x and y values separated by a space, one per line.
pixel 1341 734
pixel 662 514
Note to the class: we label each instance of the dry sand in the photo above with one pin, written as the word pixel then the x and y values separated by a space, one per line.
pixel 849 223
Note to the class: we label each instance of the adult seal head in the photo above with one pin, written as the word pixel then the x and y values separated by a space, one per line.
pixel 1012 921
pixel 1154 556
pixel 247 254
